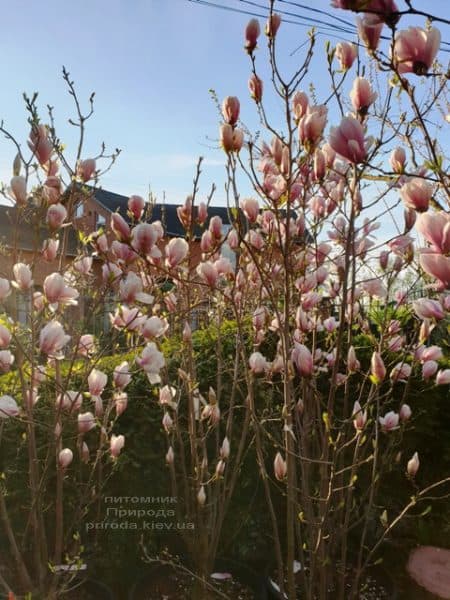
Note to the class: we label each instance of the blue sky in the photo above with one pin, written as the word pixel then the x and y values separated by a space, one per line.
pixel 151 64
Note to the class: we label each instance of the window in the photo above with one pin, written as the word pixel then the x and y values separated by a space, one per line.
pixel 226 251
pixel 100 221
pixel 79 210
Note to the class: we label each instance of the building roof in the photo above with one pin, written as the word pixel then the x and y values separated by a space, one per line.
pixel 166 213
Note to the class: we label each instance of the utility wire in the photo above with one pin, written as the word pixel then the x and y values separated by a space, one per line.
pixel 320 29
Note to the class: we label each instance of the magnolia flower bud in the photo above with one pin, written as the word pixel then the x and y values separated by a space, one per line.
pixel 19 190
pixel 116 444
pixel 220 468
pixel 187 333
pixel 405 413
pixel 86 422
pixel 359 417
pixel 252 32
pixel 65 457
pixel 230 110
pixel 170 456
pixel 84 452
pixel 201 496
pixel 225 449
pixel 97 381
pixel 397 160
pixel 413 465
pixel 378 370
pixel 136 206
pixel 279 467
pixel 255 85
pixel 272 25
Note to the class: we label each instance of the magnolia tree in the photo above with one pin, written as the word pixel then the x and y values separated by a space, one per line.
pixel 311 273
pixel 326 346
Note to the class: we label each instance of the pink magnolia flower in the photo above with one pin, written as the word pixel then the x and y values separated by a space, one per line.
pixel 416 194
pixel 167 395
pixel 19 189
pixel 362 95
pixel 426 308
pixel 401 372
pixel 151 361
pixel 57 291
pixel 250 208
pixel 312 124
pixel 8 407
pixel 413 465
pixel 117 442
pixel 83 264
pixel 154 327
pixel 299 105
pixel 176 251
pixel 436 265
pixel 208 273
pixel 255 85
pixel 252 32
pixel 389 422
pixel 86 422
pixel 56 215
pixel 397 160
pixel 52 338
pixel 86 169
pixel 359 417
pixel 131 290
pixel 302 359
pixel 97 381
pixel 52 189
pixel 429 369
pixel 23 277
pixel 258 363
pixel 111 272
pixel 346 54
pixel 70 400
pixel 279 467
pixel 348 140
pixel 5 289
pixel 5 336
pixel 435 228
pixel 415 49
pixel 231 139
pixel 65 457
pixel 143 237
pixel 122 375
pixel 443 377
pixel 120 227
pixel 431 353
pixel 369 30
pixel 39 143
pixel 136 206
pixel 230 110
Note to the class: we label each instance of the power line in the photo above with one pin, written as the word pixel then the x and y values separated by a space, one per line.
pixel 322 27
